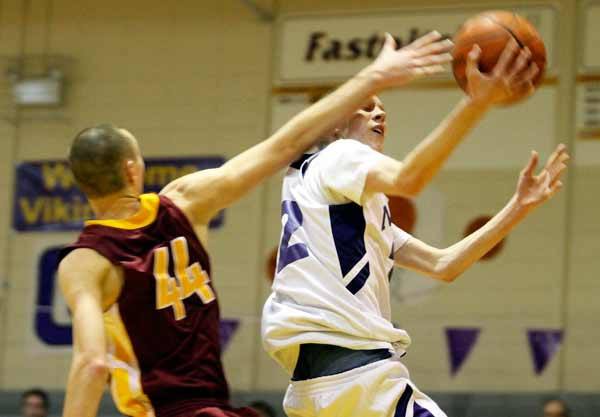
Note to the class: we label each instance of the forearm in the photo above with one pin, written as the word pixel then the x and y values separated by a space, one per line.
pixel 81 275
pixel 248 169
pixel 423 163
pixel 457 258
pixel 87 379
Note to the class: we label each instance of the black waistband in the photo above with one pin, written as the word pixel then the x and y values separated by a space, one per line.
pixel 321 360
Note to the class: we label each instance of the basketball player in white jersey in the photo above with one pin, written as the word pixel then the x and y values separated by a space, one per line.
pixel 327 322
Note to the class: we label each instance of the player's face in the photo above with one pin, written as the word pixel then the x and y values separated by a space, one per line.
pixel 135 167
pixel 368 124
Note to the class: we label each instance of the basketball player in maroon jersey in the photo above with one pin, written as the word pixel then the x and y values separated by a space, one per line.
pixel 138 279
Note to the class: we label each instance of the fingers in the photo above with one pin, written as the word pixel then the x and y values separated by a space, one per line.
pixel 557 164
pixel 389 42
pixel 526 76
pixel 557 169
pixel 506 57
pixel 428 70
pixel 530 168
pixel 473 61
pixel 544 178
pixel 560 151
pixel 431 37
pixel 520 64
pixel 555 176
pixel 553 189
pixel 432 60
pixel 440 47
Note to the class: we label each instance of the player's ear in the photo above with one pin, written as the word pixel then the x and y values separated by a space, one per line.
pixel 131 172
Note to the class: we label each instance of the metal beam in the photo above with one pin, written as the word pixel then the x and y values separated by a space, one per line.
pixel 260 12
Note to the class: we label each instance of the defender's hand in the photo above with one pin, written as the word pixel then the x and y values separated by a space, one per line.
pixel 425 56
pixel 533 190
pixel 513 74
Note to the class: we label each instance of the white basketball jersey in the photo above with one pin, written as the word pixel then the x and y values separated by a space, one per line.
pixel 335 258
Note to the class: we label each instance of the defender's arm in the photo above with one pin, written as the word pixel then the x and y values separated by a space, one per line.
pixel 80 275
pixel 204 193
pixel 409 177
pixel 447 264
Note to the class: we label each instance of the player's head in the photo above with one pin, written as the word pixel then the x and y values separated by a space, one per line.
pixel 34 403
pixel 367 125
pixel 556 408
pixel 106 160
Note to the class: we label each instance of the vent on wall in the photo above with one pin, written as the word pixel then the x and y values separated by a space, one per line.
pixel 46 90
pixel 589 111
pixel 35 87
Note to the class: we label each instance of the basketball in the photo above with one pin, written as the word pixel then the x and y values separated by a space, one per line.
pixel 491 31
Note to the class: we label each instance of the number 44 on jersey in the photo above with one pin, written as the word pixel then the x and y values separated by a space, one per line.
pixel 189 280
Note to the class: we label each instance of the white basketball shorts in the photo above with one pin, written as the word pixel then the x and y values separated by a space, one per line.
pixel 379 389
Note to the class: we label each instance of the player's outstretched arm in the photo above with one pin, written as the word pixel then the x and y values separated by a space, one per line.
pixel 513 73
pixel 203 194
pixel 80 275
pixel 532 191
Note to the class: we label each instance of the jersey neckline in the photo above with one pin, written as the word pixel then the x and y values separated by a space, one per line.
pixel 145 215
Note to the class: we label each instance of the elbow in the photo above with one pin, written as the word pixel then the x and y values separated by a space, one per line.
pixel 93 365
pixel 446 270
pixel 410 186
pixel 448 276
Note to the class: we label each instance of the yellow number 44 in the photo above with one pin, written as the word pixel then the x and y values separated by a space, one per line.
pixel 192 279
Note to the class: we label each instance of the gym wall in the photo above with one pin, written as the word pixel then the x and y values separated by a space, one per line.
pixel 197 77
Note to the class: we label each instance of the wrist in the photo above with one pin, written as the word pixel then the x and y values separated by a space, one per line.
pixel 375 78
pixel 477 104
pixel 517 208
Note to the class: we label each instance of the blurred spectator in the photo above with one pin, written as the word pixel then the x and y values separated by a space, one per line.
pixel 34 403
pixel 556 408
pixel 263 409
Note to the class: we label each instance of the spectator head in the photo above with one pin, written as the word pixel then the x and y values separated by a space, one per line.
pixel 34 403
pixel 556 408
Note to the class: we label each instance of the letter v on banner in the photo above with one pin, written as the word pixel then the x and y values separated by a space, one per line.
pixel 543 344
pixel 460 341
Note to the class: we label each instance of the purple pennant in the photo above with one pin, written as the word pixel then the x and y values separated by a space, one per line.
pixel 227 328
pixel 460 342
pixel 543 343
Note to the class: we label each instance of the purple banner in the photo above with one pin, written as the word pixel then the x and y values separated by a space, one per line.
pixel 543 343
pixel 460 341
pixel 227 329
pixel 47 198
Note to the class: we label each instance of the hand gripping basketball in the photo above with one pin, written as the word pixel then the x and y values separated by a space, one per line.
pixel 512 76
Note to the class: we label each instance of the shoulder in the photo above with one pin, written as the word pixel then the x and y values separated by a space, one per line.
pixel 340 153
pixel 345 145
pixel 83 263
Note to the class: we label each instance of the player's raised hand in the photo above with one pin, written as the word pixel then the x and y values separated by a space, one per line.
pixel 425 56
pixel 533 190
pixel 512 75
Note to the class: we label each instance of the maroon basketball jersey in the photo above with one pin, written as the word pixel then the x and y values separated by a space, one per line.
pixel 164 349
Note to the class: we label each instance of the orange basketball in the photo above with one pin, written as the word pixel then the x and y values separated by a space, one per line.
pixel 491 31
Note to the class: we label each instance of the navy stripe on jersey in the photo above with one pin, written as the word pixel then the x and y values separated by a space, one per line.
pixel 298 162
pixel 419 411
pixel 307 163
pixel 402 405
pixel 359 280
pixel 348 229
